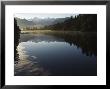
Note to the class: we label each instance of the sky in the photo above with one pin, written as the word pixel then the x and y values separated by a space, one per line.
pixel 32 15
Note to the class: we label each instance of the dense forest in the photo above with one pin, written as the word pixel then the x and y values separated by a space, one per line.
pixel 82 22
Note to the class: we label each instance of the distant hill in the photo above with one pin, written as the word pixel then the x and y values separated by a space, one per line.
pixel 38 22
pixel 47 21
pixel 22 23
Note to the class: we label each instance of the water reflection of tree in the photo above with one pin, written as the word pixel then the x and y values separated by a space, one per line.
pixel 16 40
pixel 86 41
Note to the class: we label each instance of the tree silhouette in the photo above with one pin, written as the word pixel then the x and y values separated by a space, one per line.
pixel 16 40
pixel 81 22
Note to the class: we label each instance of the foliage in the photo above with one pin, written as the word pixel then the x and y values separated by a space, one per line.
pixel 16 39
pixel 82 22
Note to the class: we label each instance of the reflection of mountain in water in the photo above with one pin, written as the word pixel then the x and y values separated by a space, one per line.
pixel 86 41
pixel 39 38
pixel 40 53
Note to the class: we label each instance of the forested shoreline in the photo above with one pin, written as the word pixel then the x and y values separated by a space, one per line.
pixel 82 22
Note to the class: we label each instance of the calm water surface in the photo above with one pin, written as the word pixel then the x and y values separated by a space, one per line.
pixel 57 54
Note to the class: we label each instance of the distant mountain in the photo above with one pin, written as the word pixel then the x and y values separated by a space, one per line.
pixel 59 20
pixel 22 23
pixel 38 22
pixel 46 21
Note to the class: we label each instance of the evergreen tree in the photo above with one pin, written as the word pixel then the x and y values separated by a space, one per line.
pixel 82 22
pixel 16 39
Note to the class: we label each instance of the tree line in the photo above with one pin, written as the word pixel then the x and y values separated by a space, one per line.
pixel 30 28
pixel 82 22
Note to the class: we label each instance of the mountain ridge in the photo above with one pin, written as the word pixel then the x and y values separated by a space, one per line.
pixel 38 22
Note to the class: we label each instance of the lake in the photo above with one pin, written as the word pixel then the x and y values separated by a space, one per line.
pixel 56 53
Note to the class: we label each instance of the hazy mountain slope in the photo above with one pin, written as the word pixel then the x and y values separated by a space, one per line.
pixel 47 21
pixel 22 23
pixel 38 22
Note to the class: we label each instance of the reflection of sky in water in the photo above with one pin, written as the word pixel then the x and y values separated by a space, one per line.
pixel 56 57
pixel 27 67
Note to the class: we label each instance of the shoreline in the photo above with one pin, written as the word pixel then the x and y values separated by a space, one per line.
pixel 43 31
